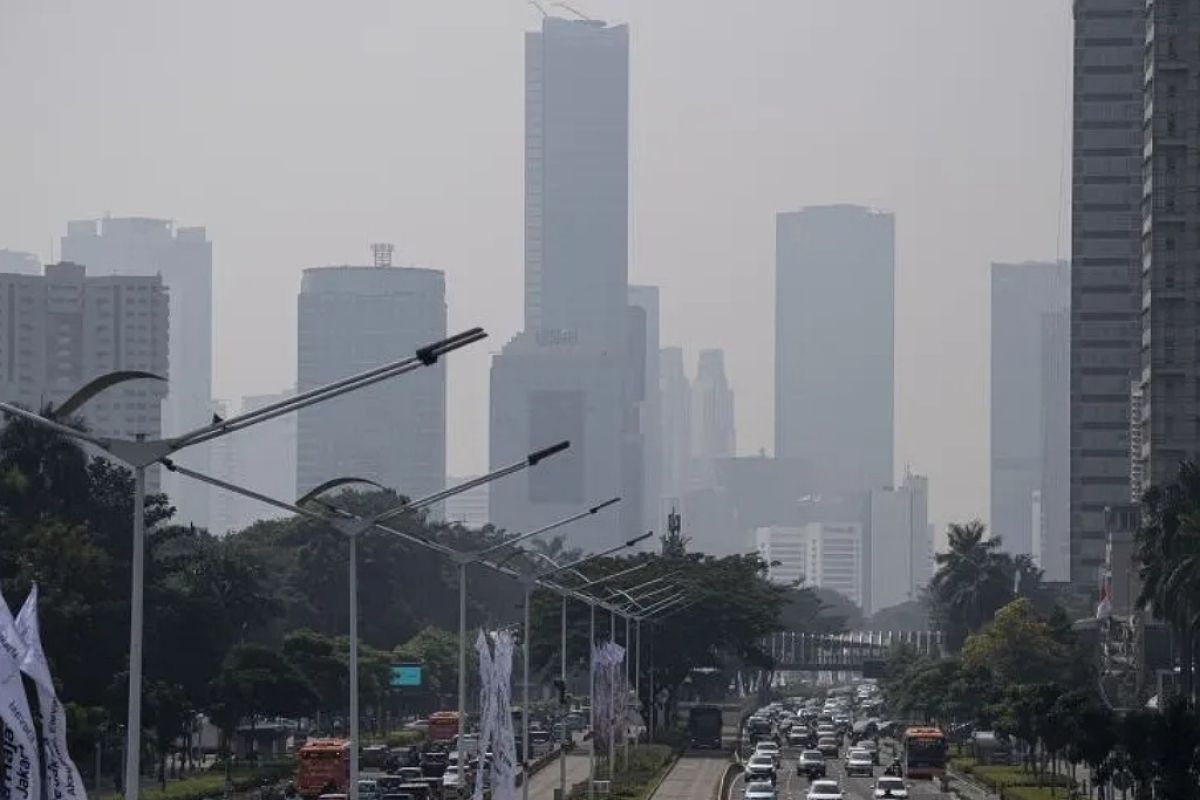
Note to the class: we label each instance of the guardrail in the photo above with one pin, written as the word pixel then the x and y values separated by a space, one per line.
pixel 727 778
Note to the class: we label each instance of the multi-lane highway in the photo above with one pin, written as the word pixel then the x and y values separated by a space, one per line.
pixel 790 786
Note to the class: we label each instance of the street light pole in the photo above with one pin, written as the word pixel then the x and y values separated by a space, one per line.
pixel 461 778
pixel 612 733
pixel 133 720
pixel 562 715
pixel 592 699
pixel 352 791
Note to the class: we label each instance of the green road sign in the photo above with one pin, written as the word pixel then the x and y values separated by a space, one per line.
pixel 406 675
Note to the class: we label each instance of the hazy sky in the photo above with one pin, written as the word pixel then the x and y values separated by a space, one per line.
pixel 299 131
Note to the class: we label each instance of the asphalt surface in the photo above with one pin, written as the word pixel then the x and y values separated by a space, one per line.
pixel 694 777
pixel 790 786
pixel 546 780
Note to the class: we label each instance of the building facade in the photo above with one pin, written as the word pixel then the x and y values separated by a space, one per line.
pixel 649 407
pixel 1106 193
pixel 1052 512
pixel 834 344
pixel 713 433
pixel 1020 295
pixel 785 552
pixel 835 558
pixel 182 256
pixel 1170 286
pixel 16 262
pixel 675 391
pixel 899 557
pixel 469 508
pixel 62 329
pixel 351 319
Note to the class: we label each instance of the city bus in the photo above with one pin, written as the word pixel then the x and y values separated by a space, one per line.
pixel 323 767
pixel 924 752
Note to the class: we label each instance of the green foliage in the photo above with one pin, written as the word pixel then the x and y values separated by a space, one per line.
pixel 1017 647
pixel 436 651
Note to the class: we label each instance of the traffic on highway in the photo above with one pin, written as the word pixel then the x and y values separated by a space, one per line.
pixel 836 748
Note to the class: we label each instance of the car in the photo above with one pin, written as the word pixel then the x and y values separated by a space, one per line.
pixel 759 790
pixel 826 729
pixel 450 777
pixel 829 746
pixel 368 790
pixel 824 790
pixel 799 737
pixel 890 786
pixel 859 762
pixel 768 748
pixel 872 747
pixel 760 767
pixel 811 764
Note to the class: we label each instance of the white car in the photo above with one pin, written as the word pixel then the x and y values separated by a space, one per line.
pixel 759 791
pixel 859 762
pixel 450 778
pixel 760 767
pixel 768 748
pixel 824 790
pixel 888 786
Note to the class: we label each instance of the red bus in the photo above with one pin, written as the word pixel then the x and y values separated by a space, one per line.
pixel 924 752
pixel 323 767
pixel 443 726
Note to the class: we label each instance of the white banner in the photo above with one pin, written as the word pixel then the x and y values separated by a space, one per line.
pixel 59 773
pixel 22 777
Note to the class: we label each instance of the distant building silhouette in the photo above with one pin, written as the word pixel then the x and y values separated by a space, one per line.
pixel 578 370
pixel 130 246
pixel 350 319
pixel 649 409
pixel 834 344
pixel 1021 296
pixel 676 397
pixel 713 434
pixel 15 262
pixel 899 546
pixel 262 458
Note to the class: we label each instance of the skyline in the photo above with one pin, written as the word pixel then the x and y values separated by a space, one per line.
pixel 961 200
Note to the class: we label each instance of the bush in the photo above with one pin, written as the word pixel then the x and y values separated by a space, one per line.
pixel 212 783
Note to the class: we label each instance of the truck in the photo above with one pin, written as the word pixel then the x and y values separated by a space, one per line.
pixel 443 726
pixel 704 727
pixel 323 767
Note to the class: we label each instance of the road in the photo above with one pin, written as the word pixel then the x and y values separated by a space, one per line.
pixel 694 777
pixel 791 786
pixel 545 781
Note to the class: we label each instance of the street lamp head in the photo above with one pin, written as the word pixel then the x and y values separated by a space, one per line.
pixel 317 491
pixel 635 540
pixel 546 452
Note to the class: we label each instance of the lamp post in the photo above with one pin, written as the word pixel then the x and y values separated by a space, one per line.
pixel 141 452
pixel 529 583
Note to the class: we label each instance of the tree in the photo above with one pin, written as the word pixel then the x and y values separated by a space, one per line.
pixel 1168 551
pixel 973 579
pixel 436 651
pixel 257 681
pixel 1018 647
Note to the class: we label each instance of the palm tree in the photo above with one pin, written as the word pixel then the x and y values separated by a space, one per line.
pixel 1168 551
pixel 973 579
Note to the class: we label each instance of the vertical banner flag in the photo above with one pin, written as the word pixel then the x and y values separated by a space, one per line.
pixel 59 772
pixel 22 775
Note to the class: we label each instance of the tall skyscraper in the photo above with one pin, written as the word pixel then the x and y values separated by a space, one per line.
pixel 351 319
pixel 834 344
pixel 65 328
pixel 1021 294
pixel 469 508
pixel 713 434
pixel 1170 285
pixel 649 408
pixel 261 457
pixel 578 370
pixel 676 393
pixel 129 246
pixel 1106 249
pixel 899 547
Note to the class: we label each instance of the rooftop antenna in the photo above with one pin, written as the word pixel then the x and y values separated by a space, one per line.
pixel 383 253
pixel 574 11
pixel 540 8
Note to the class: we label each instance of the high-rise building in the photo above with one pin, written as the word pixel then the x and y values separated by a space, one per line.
pixel 469 508
pixel 1020 295
pixel 1106 224
pixel 834 344
pixel 131 246
pixel 1170 287
pixel 15 262
pixel 262 458
pixel 649 408
pixel 576 180
pixel 899 556
pixel 785 552
pixel 65 328
pixel 676 393
pixel 394 433
pixel 578 369
pixel 713 434
pixel 835 552
pixel 1052 518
